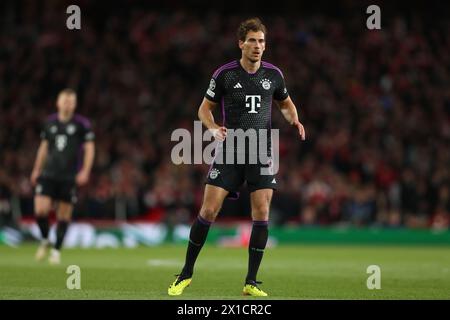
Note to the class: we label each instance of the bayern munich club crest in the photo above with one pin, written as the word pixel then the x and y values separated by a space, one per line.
pixel 71 129
pixel 214 173
pixel 266 83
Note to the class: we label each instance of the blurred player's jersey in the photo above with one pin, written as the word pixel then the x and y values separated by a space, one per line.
pixel 246 98
pixel 65 146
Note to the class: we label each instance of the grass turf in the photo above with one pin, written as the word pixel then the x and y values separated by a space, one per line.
pixel 288 272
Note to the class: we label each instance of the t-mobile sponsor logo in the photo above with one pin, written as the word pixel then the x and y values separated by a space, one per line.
pixel 253 102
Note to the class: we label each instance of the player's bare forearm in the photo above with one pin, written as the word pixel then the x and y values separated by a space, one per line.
pixel 205 114
pixel 40 160
pixel 289 112
pixel 41 156
pixel 89 154
pixel 207 118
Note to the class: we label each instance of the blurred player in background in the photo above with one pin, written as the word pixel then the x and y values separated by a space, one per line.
pixel 245 89
pixel 57 169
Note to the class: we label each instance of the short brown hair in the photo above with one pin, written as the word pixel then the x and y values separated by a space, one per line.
pixel 68 91
pixel 252 24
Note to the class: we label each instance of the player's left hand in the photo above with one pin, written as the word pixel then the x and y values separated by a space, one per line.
pixel 300 128
pixel 82 178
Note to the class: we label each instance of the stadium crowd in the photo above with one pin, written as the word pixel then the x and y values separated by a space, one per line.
pixel 375 105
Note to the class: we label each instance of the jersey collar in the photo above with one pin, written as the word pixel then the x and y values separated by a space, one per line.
pixel 249 73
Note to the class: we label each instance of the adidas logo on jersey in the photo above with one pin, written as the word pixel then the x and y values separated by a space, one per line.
pixel 237 86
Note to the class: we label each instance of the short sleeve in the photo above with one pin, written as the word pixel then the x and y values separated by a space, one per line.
pixel 87 132
pixel 281 92
pixel 44 133
pixel 215 89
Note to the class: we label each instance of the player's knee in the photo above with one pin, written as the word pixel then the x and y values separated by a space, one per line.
pixel 41 211
pixel 209 212
pixel 260 213
pixel 64 217
pixel 42 206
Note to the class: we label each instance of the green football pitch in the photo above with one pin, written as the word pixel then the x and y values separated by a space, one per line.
pixel 287 272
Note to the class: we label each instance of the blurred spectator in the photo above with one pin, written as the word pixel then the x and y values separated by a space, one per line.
pixel 6 217
pixel 375 104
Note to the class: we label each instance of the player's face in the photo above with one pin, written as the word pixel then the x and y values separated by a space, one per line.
pixel 253 46
pixel 66 103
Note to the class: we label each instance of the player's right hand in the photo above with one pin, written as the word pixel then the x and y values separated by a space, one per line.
pixel 220 133
pixel 34 176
